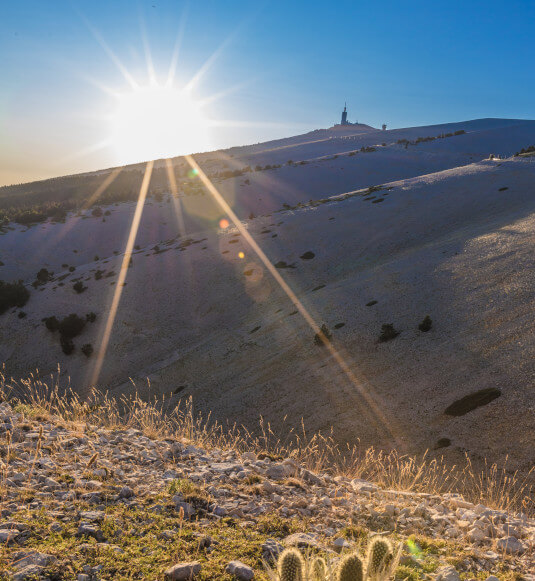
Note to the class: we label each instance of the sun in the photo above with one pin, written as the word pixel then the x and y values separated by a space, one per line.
pixel 157 121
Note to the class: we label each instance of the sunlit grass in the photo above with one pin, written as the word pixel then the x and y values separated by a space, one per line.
pixel 493 486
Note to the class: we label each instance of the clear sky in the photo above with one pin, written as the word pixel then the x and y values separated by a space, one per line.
pixel 268 69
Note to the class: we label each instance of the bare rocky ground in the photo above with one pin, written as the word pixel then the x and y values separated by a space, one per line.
pixel 79 501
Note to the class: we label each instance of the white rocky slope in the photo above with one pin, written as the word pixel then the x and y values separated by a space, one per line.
pixel 89 503
pixel 199 320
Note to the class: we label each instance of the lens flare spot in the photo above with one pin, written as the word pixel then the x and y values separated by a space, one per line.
pixel 223 224
pixel 193 172
pixel 241 255
pixel 414 549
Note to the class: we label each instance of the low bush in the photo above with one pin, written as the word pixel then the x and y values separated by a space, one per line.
pixel 530 149
pixel 51 323
pixel 12 294
pixel 319 338
pixel 79 287
pixel 87 349
pixel 42 277
pixel 426 324
pixel 67 346
pixel 91 317
pixel 388 332
pixel 71 326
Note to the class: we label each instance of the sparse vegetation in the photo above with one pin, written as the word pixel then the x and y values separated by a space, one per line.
pixel 79 287
pixel 87 349
pixel 388 332
pixel 323 336
pixel 473 401
pixel 12 294
pixel 426 324
pixel 529 149
pixel 91 317
pixel 71 326
pixel 42 277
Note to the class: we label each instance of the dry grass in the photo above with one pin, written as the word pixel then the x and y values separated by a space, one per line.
pixel 493 486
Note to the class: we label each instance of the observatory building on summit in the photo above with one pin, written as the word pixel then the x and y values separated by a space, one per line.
pixel 344 120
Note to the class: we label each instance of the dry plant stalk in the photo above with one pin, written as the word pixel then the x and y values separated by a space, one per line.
pixel 493 486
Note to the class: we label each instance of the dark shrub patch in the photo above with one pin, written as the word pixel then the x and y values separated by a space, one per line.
pixel 442 443
pixel 51 323
pixel 43 276
pixel 426 324
pixel 473 401
pixel 98 274
pixel 307 255
pixel 67 346
pixel 371 303
pixel 387 333
pixel 71 326
pixel 503 189
pixel 87 349
pixel 79 287
pixel 72 268
pixel 282 264
pixel 254 330
pixel 339 325
pixel 319 338
pixel 12 294
pixel 97 212
pixel 21 315
pixel 91 317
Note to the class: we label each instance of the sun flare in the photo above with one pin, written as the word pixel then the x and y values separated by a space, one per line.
pixel 158 121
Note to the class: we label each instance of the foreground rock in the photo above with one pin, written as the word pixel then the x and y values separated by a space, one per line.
pixel 98 504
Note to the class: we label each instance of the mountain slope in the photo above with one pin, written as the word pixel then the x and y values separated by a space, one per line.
pixel 446 235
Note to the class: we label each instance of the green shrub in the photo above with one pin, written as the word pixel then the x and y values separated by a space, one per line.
pixel 91 317
pixel 79 287
pixel 12 294
pixel 51 323
pixel 67 346
pixel 43 276
pixel 388 333
pixel 319 337
pixel 426 324
pixel 71 326
pixel 87 349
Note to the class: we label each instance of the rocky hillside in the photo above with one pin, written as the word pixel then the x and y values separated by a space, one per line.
pixel 86 502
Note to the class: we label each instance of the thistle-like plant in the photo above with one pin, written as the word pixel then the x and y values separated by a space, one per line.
pixel 350 569
pixel 381 560
pixel 318 570
pixel 291 565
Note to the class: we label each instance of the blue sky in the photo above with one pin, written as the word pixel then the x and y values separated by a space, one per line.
pixel 290 65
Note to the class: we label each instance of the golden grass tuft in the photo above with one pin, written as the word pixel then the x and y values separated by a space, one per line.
pixel 493 486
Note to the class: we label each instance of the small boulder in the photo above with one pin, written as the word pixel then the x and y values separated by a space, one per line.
pixel 90 531
pixel 447 573
pixel 271 549
pixel 240 570
pixel 511 546
pixel 340 544
pixel 278 471
pixel 301 541
pixel 183 571
pixel 126 492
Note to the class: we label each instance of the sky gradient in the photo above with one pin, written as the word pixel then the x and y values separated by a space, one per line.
pixel 278 69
